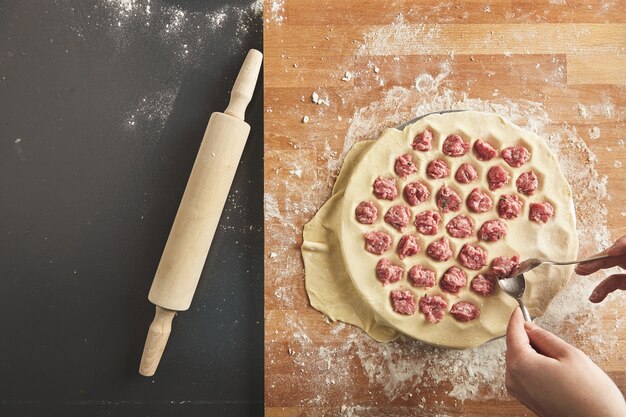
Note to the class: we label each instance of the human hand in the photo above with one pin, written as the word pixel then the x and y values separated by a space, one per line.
pixel 617 253
pixel 555 379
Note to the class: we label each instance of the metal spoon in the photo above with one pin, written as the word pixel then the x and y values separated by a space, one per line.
pixel 533 263
pixel 515 286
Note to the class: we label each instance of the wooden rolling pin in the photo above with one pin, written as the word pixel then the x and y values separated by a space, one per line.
pixel 199 212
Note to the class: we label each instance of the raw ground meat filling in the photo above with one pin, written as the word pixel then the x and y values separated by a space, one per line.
pixel 404 165
pixel 460 226
pixel 454 145
pixel 408 246
pixel 473 257
pixel 385 188
pixel 466 174
pixel 492 230
pixel 509 206
pixel 433 307
pixel 483 284
pixel 427 222
pixel 386 272
pixel 448 200
pixel 366 212
pixel 527 183
pixel 516 156
pixel 541 212
pixel 464 311
pixel 423 141
pixel 437 169
pixel 403 302
pixel 484 151
pixel 439 250
pixel 497 177
pixel 398 217
pixel 415 193
pixel 453 280
pixel 422 277
pixel 502 266
pixel 377 242
pixel 479 202
pixel 442 201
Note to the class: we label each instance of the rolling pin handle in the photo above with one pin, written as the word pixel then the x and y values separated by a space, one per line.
pixel 245 83
pixel 158 334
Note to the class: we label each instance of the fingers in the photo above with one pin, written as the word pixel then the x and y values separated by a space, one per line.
pixel 545 342
pixel 591 267
pixel 517 341
pixel 617 253
pixel 607 286
pixel 618 248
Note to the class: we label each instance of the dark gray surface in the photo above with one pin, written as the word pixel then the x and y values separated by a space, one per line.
pixel 91 175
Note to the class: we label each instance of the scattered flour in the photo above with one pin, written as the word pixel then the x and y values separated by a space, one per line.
pixel 426 83
pixel 296 172
pixel 17 144
pixel 405 367
pixel 276 12
pixel 152 111
pixel 317 99
pixel 604 109
pixel 217 19
pixel 270 206
pixel 396 37
pixel 183 36
pixel 594 133
pixel 283 294
pixel 126 6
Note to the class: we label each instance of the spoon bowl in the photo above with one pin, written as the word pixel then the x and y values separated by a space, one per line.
pixel 515 287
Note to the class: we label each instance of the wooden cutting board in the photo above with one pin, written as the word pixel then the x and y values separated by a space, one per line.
pixel 554 67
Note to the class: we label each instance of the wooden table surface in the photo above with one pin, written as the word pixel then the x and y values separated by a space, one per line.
pixel 557 68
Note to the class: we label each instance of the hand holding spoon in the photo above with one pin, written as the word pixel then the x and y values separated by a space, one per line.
pixel 515 285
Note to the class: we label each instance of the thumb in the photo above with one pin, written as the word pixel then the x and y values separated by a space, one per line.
pixel 610 284
pixel 516 338
pixel 545 342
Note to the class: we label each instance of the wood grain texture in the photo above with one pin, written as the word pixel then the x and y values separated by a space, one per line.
pixel 566 59
pixel 158 334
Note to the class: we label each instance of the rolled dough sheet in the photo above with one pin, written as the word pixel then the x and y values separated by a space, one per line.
pixel 340 277
pixel 328 285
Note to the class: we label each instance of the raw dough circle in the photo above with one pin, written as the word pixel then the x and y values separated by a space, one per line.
pixel 555 239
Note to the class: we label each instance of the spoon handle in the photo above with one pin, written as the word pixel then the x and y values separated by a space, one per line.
pixel 595 258
pixel 524 310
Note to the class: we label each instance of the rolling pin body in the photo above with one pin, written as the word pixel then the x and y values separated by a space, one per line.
pixel 199 212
